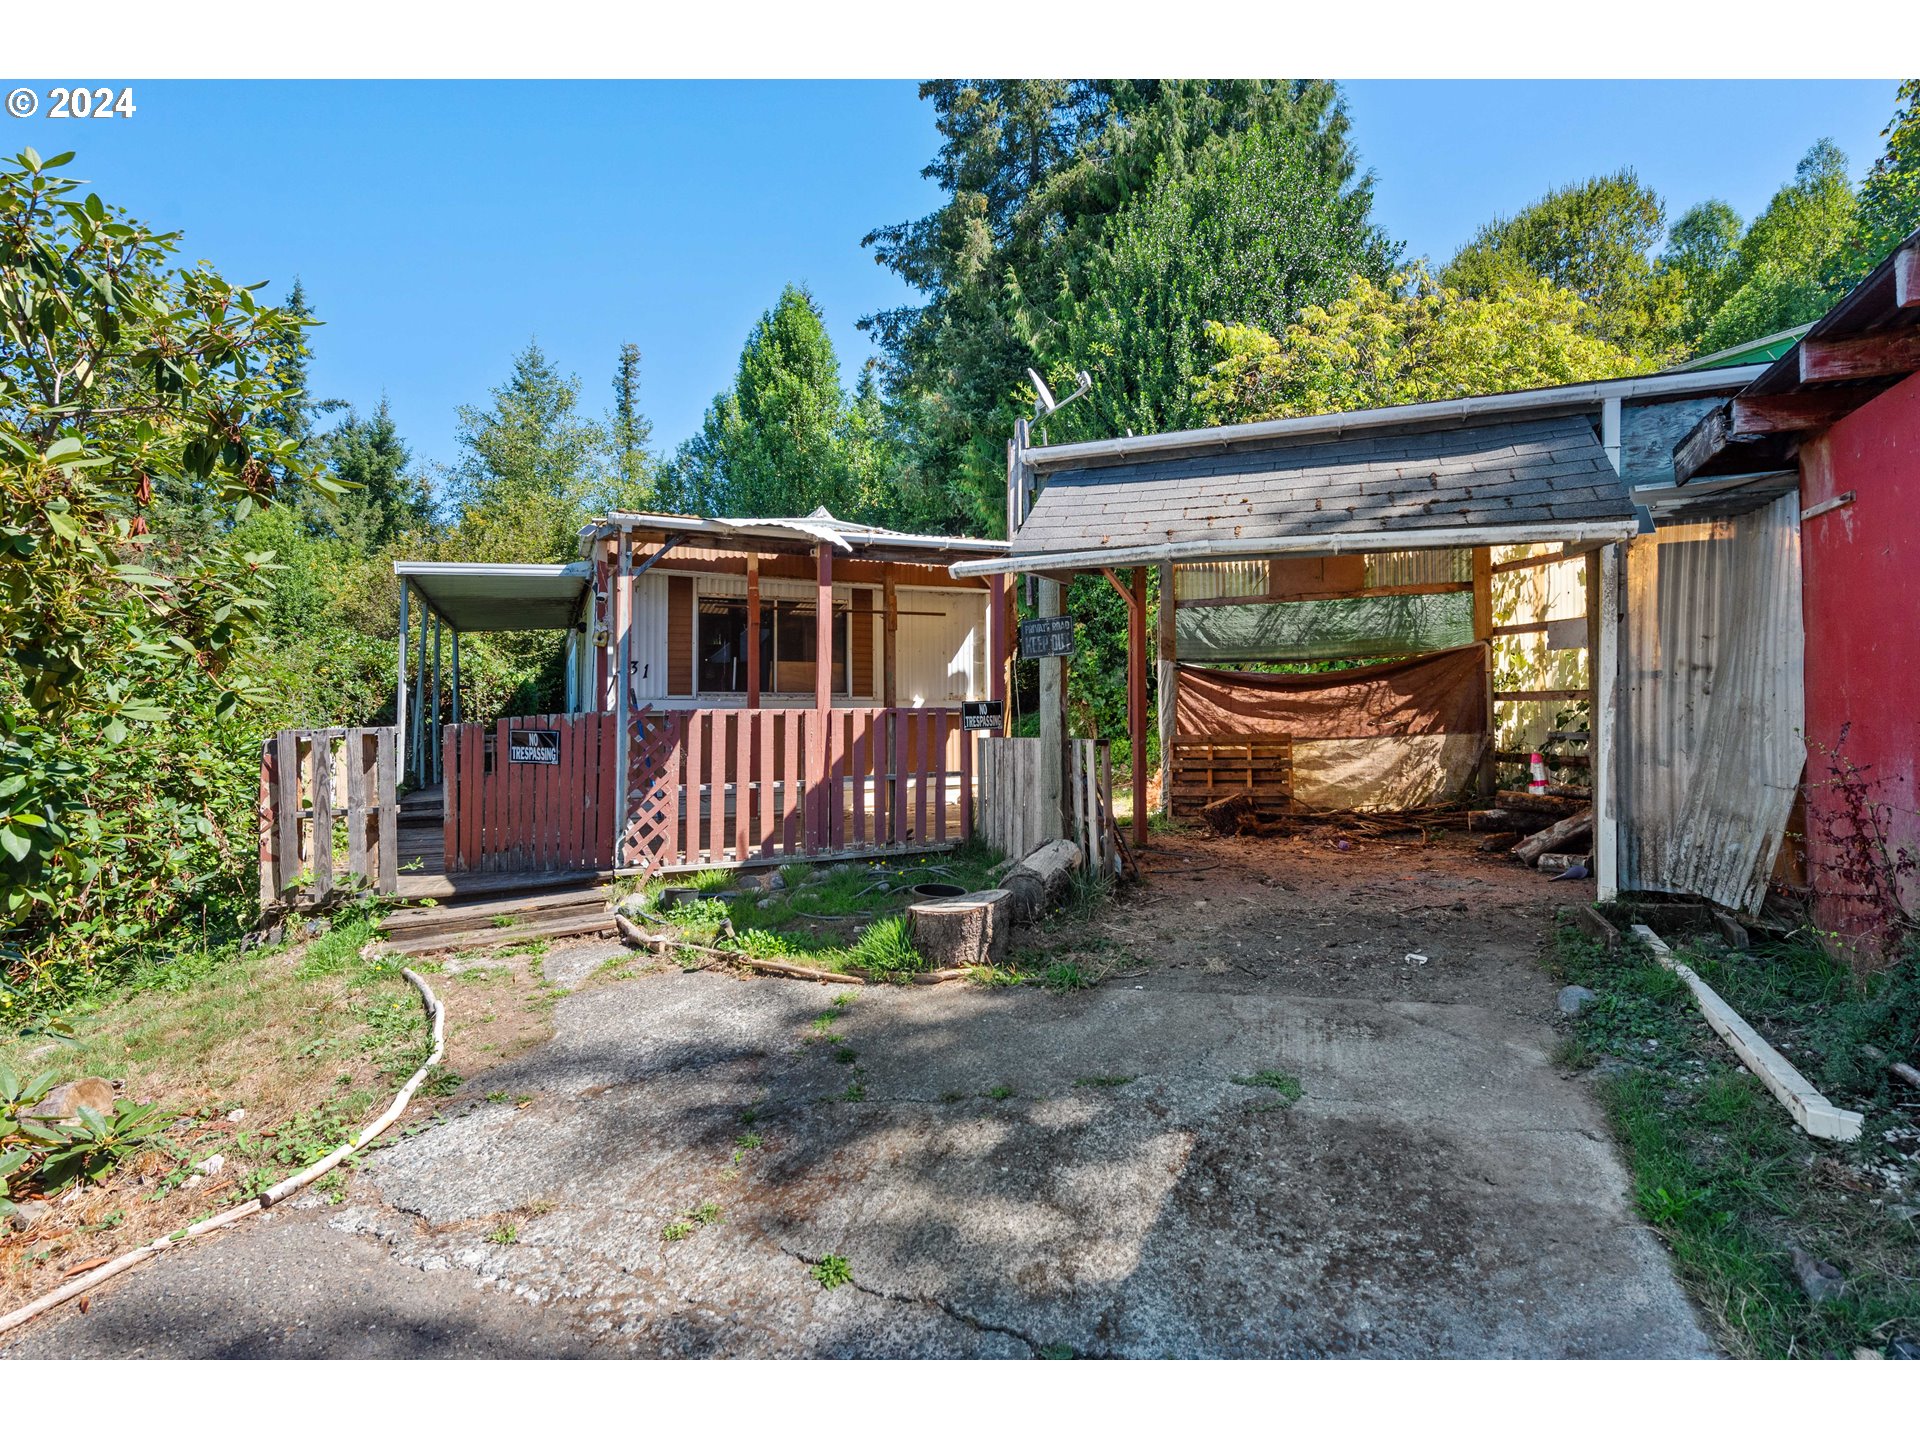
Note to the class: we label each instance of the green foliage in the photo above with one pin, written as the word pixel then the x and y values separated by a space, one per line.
pixel 831 1271
pixel 1594 239
pixel 1888 208
pixel 628 435
pixel 1397 345
pixel 1251 231
pixel 1700 251
pixel 47 1158
pixel 1784 272
pixel 1063 976
pixel 885 950
pixel 1286 1086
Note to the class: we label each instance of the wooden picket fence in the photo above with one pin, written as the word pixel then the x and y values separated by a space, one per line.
pixel 1014 817
pixel 730 787
pixel 706 788
pixel 312 782
pixel 507 816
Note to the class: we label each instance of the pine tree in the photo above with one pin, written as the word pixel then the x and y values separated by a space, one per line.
pixel 388 500
pixel 630 432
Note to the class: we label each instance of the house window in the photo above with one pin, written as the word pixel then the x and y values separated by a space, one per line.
pixel 788 646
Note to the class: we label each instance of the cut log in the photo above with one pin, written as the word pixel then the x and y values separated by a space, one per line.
pixel 1499 844
pixel 1040 880
pixel 964 930
pixel 1555 837
pixel 1548 803
pixel 1518 822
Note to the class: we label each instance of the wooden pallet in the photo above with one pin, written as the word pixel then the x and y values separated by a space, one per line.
pixel 1211 767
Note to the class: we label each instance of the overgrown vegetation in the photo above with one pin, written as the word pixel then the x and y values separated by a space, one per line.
pixel 1718 1166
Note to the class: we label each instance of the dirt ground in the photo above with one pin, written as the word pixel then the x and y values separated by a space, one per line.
pixel 1005 1172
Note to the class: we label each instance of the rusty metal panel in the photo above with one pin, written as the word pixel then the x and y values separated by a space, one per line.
pixel 1713 710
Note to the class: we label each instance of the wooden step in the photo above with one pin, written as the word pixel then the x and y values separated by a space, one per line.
pixel 479 914
pixel 492 937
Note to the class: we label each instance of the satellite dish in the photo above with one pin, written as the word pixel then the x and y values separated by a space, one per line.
pixel 1045 405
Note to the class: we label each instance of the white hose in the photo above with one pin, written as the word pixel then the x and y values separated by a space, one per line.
pixel 435 1014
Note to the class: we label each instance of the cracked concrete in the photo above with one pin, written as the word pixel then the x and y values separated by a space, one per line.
pixel 1439 1189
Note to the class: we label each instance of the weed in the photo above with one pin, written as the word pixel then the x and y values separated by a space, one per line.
pixel 749 1115
pixel 1285 1085
pixel 830 1272
pixel 508 1234
pixel 676 1230
pixel 1000 1092
pixel 545 1205
pixel 497 1097
pixel 952 1097
pixel 795 874
pixel 885 949
pixel 1570 1052
pixel 846 1055
pixel 1054 1352
pixel 822 1025
pixel 854 1093
pixel 1063 976
pixel 507 922
pixel 1108 1082
pixel 706 1213
pixel 710 882
pixel 994 977
pixel 842 1000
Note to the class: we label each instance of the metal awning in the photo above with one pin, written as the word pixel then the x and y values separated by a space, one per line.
pixel 483 596
pixel 791 535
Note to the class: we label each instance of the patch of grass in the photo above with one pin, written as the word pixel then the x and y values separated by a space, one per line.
pixel 854 1093
pixel 994 977
pixel 795 874
pixel 1000 1092
pixel 885 950
pixel 706 1213
pixel 843 999
pixel 1570 1052
pixel 1106 1082
pixel 505 922
pixel 508 1234
pixel 676 1230
pixel 846 1055
pixel 1719 1168
pixel 953 1097
pixel 1279 1081
pixel 830 1272
pixel 1064 975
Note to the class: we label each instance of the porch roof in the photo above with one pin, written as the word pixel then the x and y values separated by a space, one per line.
pixel 473 596
pixel 799 534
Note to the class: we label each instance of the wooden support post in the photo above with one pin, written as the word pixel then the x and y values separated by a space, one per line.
pixel 822 687
pixel 1483 632
pixel 1054 802
pixel 1605 722
pixel 456 676
pixel 1169 692
pixel 400 688
pixel 622 700
pixel 1137 700
pixel 753 632
pixel 890 629
pixel 997 641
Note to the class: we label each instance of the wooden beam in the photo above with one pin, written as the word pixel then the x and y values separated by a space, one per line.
pixel 1701 445
pixel 1785 414
pixel 753 632
pixel 1440 587
pixel 997 646
pixel 1861 357
pixel 1483 633
pixel 1120 588
pixel 1563 695
pixel 890 628
pixel 824 797
pixel 1137 699
pixel 1906 278
pixel 1533 562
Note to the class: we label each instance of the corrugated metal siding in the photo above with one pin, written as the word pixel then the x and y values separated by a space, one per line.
pixel 649 641
pixel 1710 748
pixel 1220 580
pixel 943 649
pixel 1418 567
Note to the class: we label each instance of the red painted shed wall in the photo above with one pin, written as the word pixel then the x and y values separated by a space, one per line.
pixel 1861 567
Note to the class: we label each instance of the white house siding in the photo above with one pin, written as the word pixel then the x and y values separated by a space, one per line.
pixel 650 637
pixel 943 646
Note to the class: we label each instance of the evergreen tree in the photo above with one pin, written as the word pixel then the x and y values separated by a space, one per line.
pixel 528 477
pixel 1700 251
pixel 630 432
pixel 775 444
pixel 387 499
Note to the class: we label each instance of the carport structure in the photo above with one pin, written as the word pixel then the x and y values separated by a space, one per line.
pixel 1362 535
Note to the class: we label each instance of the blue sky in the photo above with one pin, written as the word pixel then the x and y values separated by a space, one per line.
pixel 438 225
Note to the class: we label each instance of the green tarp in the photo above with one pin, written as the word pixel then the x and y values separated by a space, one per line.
pixel 1351 629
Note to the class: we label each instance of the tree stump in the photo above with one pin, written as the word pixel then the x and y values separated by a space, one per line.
pixel 963 931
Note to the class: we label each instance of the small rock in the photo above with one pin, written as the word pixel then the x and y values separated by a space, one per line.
pixel 1821 1280
pixel 776 881
pixel 193 1182
pixel 234 1117
pixel 1903 1347
pixel 212 1165
pixel 1576 998
pixel 1416 958
pixel 27 1214
pixel 63 1102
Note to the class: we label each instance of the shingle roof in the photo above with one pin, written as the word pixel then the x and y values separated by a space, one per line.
pixel 1507 473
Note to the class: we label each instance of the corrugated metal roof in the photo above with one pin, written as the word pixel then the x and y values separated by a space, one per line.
pixel 1532 471
pixel 821 525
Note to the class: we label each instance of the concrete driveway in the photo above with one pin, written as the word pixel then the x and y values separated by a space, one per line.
pixel 997 1183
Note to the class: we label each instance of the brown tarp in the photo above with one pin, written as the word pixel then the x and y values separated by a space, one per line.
pixel 1440 694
